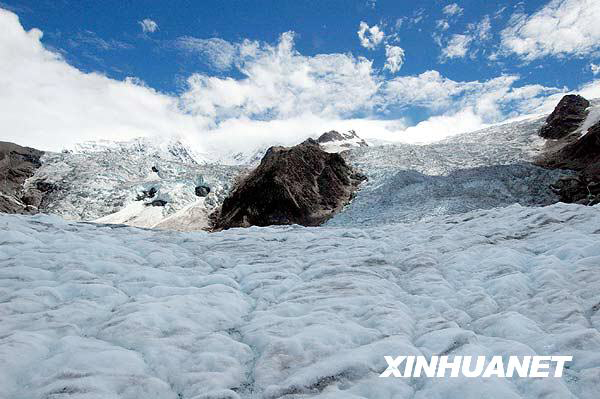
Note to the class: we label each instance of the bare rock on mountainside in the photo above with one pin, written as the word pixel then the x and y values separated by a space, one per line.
pixel 17 164
pixel 581 154
pixel 568 115
pixel 292 185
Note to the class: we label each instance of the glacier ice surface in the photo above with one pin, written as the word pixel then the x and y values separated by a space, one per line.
pixel 109 311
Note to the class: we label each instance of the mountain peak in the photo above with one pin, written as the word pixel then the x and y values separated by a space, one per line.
pixel 334 141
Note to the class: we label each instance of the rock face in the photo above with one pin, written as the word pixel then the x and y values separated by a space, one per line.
pixel 17 164
pixel 202 190
pixel 581 154
pixel 568 115
pixel 297 185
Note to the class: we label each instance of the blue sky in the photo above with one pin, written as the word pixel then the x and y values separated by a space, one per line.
pixel 393 60
pixel 105 35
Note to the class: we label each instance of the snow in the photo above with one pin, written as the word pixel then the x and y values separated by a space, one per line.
pixel 349 140
pixel 102 181
pixel 109 311
pixel 477 170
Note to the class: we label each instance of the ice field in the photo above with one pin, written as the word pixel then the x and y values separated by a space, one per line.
pixel 108 311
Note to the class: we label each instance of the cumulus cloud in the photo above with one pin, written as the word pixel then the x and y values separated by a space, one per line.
pixel 148 25
pixel 370 37
pixel 394 58
pixel 562 27
pixel 46 103
pixel 595 68
pixel 279 82
pixel 279 97
pixel 452 9
pixel 457 46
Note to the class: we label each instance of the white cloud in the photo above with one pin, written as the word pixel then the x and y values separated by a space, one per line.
pixel 148 25
pixel 442 24
pixel 92 39
pixel 457 47
pixel 595 68
pixel 279 82
pixel 562 27
pixel 46 103
pixel 482 30
pixel 418 16
pixel 370 37
pixel 459 44
pixel 491 100
pixel 394 58
pixel 218 52
pixel 452 9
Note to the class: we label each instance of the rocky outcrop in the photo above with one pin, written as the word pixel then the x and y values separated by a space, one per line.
pixel 297 185
pixel 581 154
pixel 17 164
pixel 568 115
pixel 145 194
pixel 202 190
pixel 578 189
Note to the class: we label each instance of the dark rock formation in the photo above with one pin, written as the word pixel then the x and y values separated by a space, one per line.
pixel 578 189
pixel 157 202
pixel 568 115
pixel 202 190
pixel 155 169
pixel 581 154
pixel 296 185
pixel 146 194
pixel 17 164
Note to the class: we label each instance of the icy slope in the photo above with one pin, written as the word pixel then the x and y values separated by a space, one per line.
pixel 479 170
pixel 92 311
pixel 103 180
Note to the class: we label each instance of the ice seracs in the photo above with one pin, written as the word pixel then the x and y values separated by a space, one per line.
pixel 122 182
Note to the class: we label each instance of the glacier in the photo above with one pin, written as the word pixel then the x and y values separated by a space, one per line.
pixel 111 311
pixel 452 248
pixel 477 170
pixel 102 180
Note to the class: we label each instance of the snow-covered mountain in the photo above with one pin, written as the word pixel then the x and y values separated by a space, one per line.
pixel 110 182
pixel 334 141
pixel 106 182
pixel 331 141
